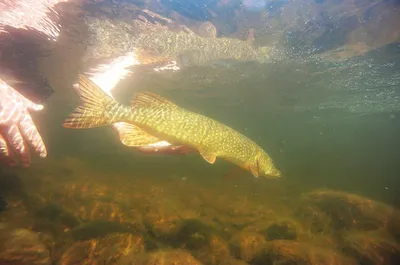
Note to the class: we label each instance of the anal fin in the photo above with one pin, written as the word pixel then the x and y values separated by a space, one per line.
pixel 131 135
pixel 209 157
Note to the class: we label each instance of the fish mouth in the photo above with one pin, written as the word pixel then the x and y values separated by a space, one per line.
pixel 274 174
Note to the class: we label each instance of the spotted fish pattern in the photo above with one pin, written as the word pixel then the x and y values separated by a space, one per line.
pixel 155 118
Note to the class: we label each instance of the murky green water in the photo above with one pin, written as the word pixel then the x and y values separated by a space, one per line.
pixel 331 126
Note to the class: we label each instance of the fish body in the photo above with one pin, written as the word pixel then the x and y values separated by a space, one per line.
pixel 152 119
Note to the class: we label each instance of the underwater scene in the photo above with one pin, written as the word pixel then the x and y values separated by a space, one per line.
pixel 199 132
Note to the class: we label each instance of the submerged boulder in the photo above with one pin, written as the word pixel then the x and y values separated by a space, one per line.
pixel 281 229
pixel 372 247
pixel 245 245
pixel 107 250
pixel 165 257
pixel 350 211
pixel 291 252
pixel 21 247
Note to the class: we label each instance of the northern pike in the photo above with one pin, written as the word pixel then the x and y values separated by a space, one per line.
pixel 152 118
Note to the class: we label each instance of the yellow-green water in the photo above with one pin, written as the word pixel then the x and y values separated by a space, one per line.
pixel 332 129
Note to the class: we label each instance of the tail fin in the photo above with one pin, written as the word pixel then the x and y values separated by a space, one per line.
pixel 91 112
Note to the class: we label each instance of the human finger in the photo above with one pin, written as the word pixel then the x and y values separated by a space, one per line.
pixel 17 142
pixel 31 134
pixel 6 156
pixel 30 105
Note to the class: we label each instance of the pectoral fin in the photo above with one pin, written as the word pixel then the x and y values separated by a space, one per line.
pixel 254 171
pixel 131 135
pixel 210 158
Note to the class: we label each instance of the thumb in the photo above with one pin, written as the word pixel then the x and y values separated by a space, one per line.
pixel 30 105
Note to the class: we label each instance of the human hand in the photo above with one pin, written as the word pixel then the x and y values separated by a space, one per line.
pixel 17 127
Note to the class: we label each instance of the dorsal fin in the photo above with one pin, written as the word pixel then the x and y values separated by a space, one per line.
pixel 149 99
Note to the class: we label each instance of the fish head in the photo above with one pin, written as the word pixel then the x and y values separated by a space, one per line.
pixel 265 167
